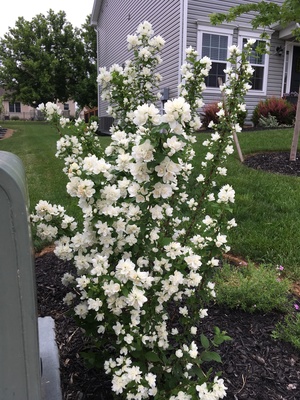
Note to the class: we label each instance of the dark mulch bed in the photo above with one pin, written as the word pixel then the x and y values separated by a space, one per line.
pixel 278 162
pixel 255 366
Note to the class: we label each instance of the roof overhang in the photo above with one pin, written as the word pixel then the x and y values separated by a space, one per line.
pixel 287 31
pixel 96 12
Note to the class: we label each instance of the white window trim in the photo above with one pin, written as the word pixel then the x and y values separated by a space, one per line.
pixel 289 46
pixel 256 35
pixel 218 31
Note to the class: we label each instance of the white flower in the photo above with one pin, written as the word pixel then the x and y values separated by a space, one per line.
pixel 193 261
pixel 226 194
pixel 69 298
pixel 145 28
pixel 183 311
pixel 208 220
pixel 237 128
pixel 220 113
pixel 203 313
pixel 229 149
pixel 133 41
pixel 219 389
pixel 143 152
pixel 179 353
pixel 209 156
pixel 136 298
pixel 128 338
pixel 193 352
pixel 145 112
pixel 81 310
pixel 67 279
pixel 220 240
pixel 234 50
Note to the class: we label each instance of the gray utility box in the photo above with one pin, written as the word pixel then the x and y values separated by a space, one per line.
pixel 20 375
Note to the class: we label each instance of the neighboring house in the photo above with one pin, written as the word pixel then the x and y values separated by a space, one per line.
pixel 17 110
pixel 184 23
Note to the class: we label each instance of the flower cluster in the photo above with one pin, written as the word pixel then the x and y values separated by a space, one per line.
pixel 153 227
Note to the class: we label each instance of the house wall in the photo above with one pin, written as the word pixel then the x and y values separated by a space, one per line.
pixel 117 19
pixel 29 113
pixel 178 21
pixel 198 15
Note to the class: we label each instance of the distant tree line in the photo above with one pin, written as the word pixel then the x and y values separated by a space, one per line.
pixel 47 59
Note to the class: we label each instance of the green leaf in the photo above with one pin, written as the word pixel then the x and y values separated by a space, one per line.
pixel 204 341
pixel 210 356
pixel 153 357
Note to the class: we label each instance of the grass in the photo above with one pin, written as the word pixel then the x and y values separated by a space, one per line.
pixel 252 288
pixel 267 205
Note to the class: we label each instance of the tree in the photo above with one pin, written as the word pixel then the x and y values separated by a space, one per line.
pixel 267 14
pixel 86 90
pixel 45 59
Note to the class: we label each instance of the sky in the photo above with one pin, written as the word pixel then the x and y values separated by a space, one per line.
pixel 76 11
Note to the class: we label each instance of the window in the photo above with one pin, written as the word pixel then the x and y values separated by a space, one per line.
pixel 214 44
pixel 15 107
pixel 66 107
pixel 259 63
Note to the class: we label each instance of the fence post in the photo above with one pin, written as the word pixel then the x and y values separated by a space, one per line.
pixel 20 375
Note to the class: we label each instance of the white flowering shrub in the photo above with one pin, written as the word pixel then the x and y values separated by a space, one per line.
pixel 154 228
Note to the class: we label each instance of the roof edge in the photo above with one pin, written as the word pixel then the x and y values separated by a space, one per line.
pixel 95 12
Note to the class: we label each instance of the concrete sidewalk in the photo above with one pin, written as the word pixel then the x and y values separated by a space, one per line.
pixel 51 389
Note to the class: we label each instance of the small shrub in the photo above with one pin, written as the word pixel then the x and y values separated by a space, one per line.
pixel 94 118
pixel 210 114
pixel 284 111
pixel 15 118
pixel 289 330
pixel 252 288
pixel 268 122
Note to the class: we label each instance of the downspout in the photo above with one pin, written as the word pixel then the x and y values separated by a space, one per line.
pixel 183 35
pixel 98 66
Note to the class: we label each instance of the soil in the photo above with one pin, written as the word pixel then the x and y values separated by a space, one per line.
pixel 255 366
pixel 276 162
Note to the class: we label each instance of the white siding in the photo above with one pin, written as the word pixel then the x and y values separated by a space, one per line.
pixel 118 18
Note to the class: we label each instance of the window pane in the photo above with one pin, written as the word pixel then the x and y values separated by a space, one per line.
pixel 215 41
pixel 18 107
pixel 257 62
pixel 217 71
pixel 214 54
pixel 11 107
pixel 223 42
pixel 223 54
pixel 205 52
pixel 257 78
pixel 214 46
pixel 206 40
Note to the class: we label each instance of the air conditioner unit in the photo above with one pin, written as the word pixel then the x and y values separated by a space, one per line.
pixel 105 123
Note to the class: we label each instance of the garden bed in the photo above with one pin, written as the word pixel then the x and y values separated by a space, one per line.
pixel 255 366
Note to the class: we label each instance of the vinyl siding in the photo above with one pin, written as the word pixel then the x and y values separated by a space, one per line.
pixel 198 14
pixel 118 18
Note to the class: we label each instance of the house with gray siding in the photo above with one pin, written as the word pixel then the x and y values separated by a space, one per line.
pixel 184 23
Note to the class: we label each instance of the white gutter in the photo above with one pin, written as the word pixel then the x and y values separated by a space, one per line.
pixel 183 35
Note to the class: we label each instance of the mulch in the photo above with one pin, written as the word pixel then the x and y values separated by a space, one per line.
pixel 276 162
pixel 255 366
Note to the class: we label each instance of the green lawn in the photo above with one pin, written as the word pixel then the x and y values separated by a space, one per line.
pixel 267 207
